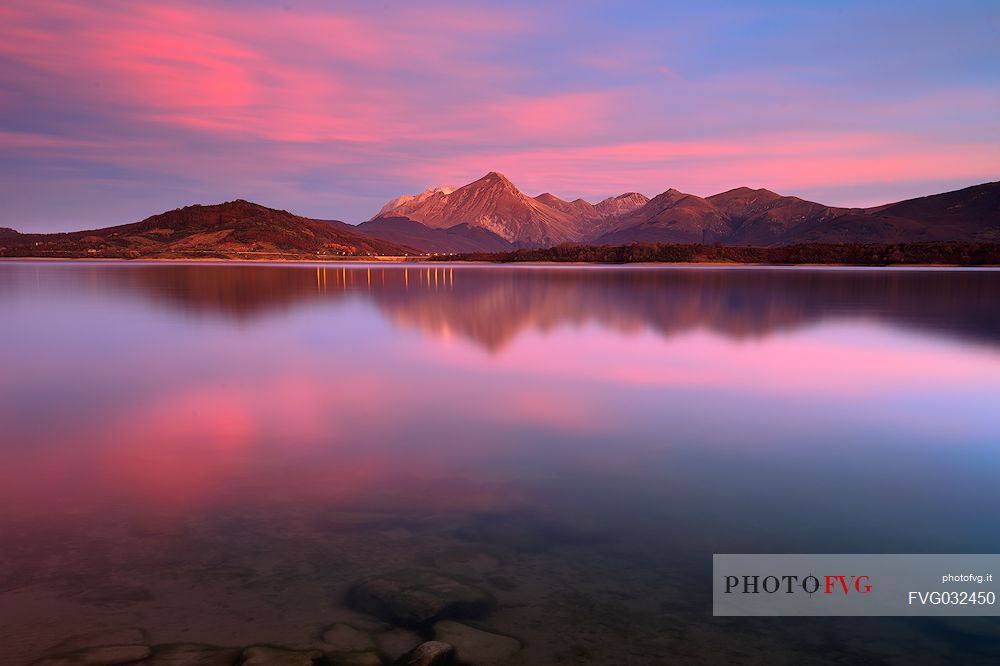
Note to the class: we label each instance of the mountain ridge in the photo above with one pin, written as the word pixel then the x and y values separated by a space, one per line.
pixel 492 215
pixel 739 216
pixel 231 229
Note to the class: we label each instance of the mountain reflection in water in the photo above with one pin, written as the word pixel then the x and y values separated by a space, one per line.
pixel 491 306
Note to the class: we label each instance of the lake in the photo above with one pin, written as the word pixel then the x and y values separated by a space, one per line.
pixel 215 453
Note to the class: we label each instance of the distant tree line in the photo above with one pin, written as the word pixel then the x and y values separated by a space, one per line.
pixel 855 254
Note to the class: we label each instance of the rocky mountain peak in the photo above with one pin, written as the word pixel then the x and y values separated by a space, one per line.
pixel 496 179
pixel 400 204
pixel 621 204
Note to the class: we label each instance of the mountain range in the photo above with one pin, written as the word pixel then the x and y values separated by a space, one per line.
pixel 742 216
pixel 492 215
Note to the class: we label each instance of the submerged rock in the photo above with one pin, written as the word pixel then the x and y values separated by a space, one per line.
pixel 192 654
pixel 431 653
pixel 394 643
pixel 476 647
pixel 345 638
pixel 107 655
pixel 413 597
pixel 262 655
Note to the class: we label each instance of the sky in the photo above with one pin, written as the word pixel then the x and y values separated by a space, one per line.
pixel 112 110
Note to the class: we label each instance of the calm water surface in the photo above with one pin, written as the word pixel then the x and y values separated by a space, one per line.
pixel 214 453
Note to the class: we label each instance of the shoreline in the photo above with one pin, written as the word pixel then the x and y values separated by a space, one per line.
pixel 471 262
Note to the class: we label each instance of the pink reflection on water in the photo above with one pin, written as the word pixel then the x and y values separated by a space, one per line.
pixel 839 360
pixel 329 401
pixel 339 434
pixel 303 440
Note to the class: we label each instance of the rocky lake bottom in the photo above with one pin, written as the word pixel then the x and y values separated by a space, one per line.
pixel 367 589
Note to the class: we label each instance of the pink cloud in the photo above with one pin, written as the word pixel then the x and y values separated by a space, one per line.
pixel 553 116
pixel 207 69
